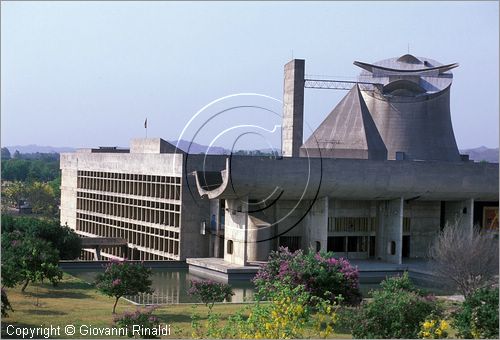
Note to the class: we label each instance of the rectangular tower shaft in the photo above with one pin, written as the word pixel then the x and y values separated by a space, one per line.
pixel 293 108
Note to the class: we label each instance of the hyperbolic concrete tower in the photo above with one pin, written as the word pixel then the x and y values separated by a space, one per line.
pixel 403 114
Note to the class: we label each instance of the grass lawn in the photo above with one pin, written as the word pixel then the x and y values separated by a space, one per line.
pixel 74 302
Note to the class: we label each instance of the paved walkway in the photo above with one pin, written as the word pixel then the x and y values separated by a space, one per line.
pixel 218 264
pixel 419 265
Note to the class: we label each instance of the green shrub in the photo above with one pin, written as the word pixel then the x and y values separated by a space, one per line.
pixel 396 283
pixel 395 311
pixel 478 315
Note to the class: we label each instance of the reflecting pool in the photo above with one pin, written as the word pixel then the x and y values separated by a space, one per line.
pixel 170 286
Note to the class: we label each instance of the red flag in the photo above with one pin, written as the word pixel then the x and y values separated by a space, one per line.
pixel 146 123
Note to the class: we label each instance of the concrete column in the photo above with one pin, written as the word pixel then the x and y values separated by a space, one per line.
pixel 389 236
pixel 316 229
pixel 460 213
pixel 259 236
pixel 293 108
pixel 214 218
pixel 97 253
pixel 211 241
pixel 236 219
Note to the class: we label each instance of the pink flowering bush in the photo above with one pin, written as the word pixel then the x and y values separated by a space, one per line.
pixel 210 292
pixel 321 274
pixel 143 319
pixel 122 278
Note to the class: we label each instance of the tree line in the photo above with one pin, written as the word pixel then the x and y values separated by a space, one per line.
pixel 43 167
pixel 32 178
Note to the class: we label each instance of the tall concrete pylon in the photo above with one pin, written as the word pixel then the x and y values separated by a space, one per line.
pixel 293 108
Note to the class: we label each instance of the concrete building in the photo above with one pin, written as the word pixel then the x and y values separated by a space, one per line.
pixel 379 178
pixel 135 194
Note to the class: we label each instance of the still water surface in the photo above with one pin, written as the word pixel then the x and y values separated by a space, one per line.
pixel 171 284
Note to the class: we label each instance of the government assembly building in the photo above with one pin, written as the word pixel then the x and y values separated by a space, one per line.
pixel 378 179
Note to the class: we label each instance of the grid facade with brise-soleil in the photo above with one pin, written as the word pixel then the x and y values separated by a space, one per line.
pixel 143 209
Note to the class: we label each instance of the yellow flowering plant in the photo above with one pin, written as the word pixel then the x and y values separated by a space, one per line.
pixel 290 313
pixel 434 329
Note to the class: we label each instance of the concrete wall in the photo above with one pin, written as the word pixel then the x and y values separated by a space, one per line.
pixel 147 164
pixel 151 145
pixel 390 229
pixel 236 219
pixel 460 213
pixel 316 229
pixel 69 176
pixel 194 211
pixel 424 227
pixel 358 179
pixel 290 219
pixel 293 108
pixel 424 216
pixel 404 123
pixel 352 208
pixel 259 239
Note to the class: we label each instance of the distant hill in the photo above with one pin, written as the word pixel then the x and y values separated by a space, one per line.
pixel 195 148
pixel 482 153
pixel 33 148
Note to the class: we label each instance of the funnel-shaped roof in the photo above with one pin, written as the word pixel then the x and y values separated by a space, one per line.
pixel 347 132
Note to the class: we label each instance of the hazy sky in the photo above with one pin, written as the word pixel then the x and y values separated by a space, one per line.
pixel 88 73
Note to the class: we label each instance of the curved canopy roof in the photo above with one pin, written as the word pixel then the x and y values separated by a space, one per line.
pixel 428 75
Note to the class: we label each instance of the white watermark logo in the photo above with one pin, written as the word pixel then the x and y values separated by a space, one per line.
pixel 51 331
pixel 242 116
